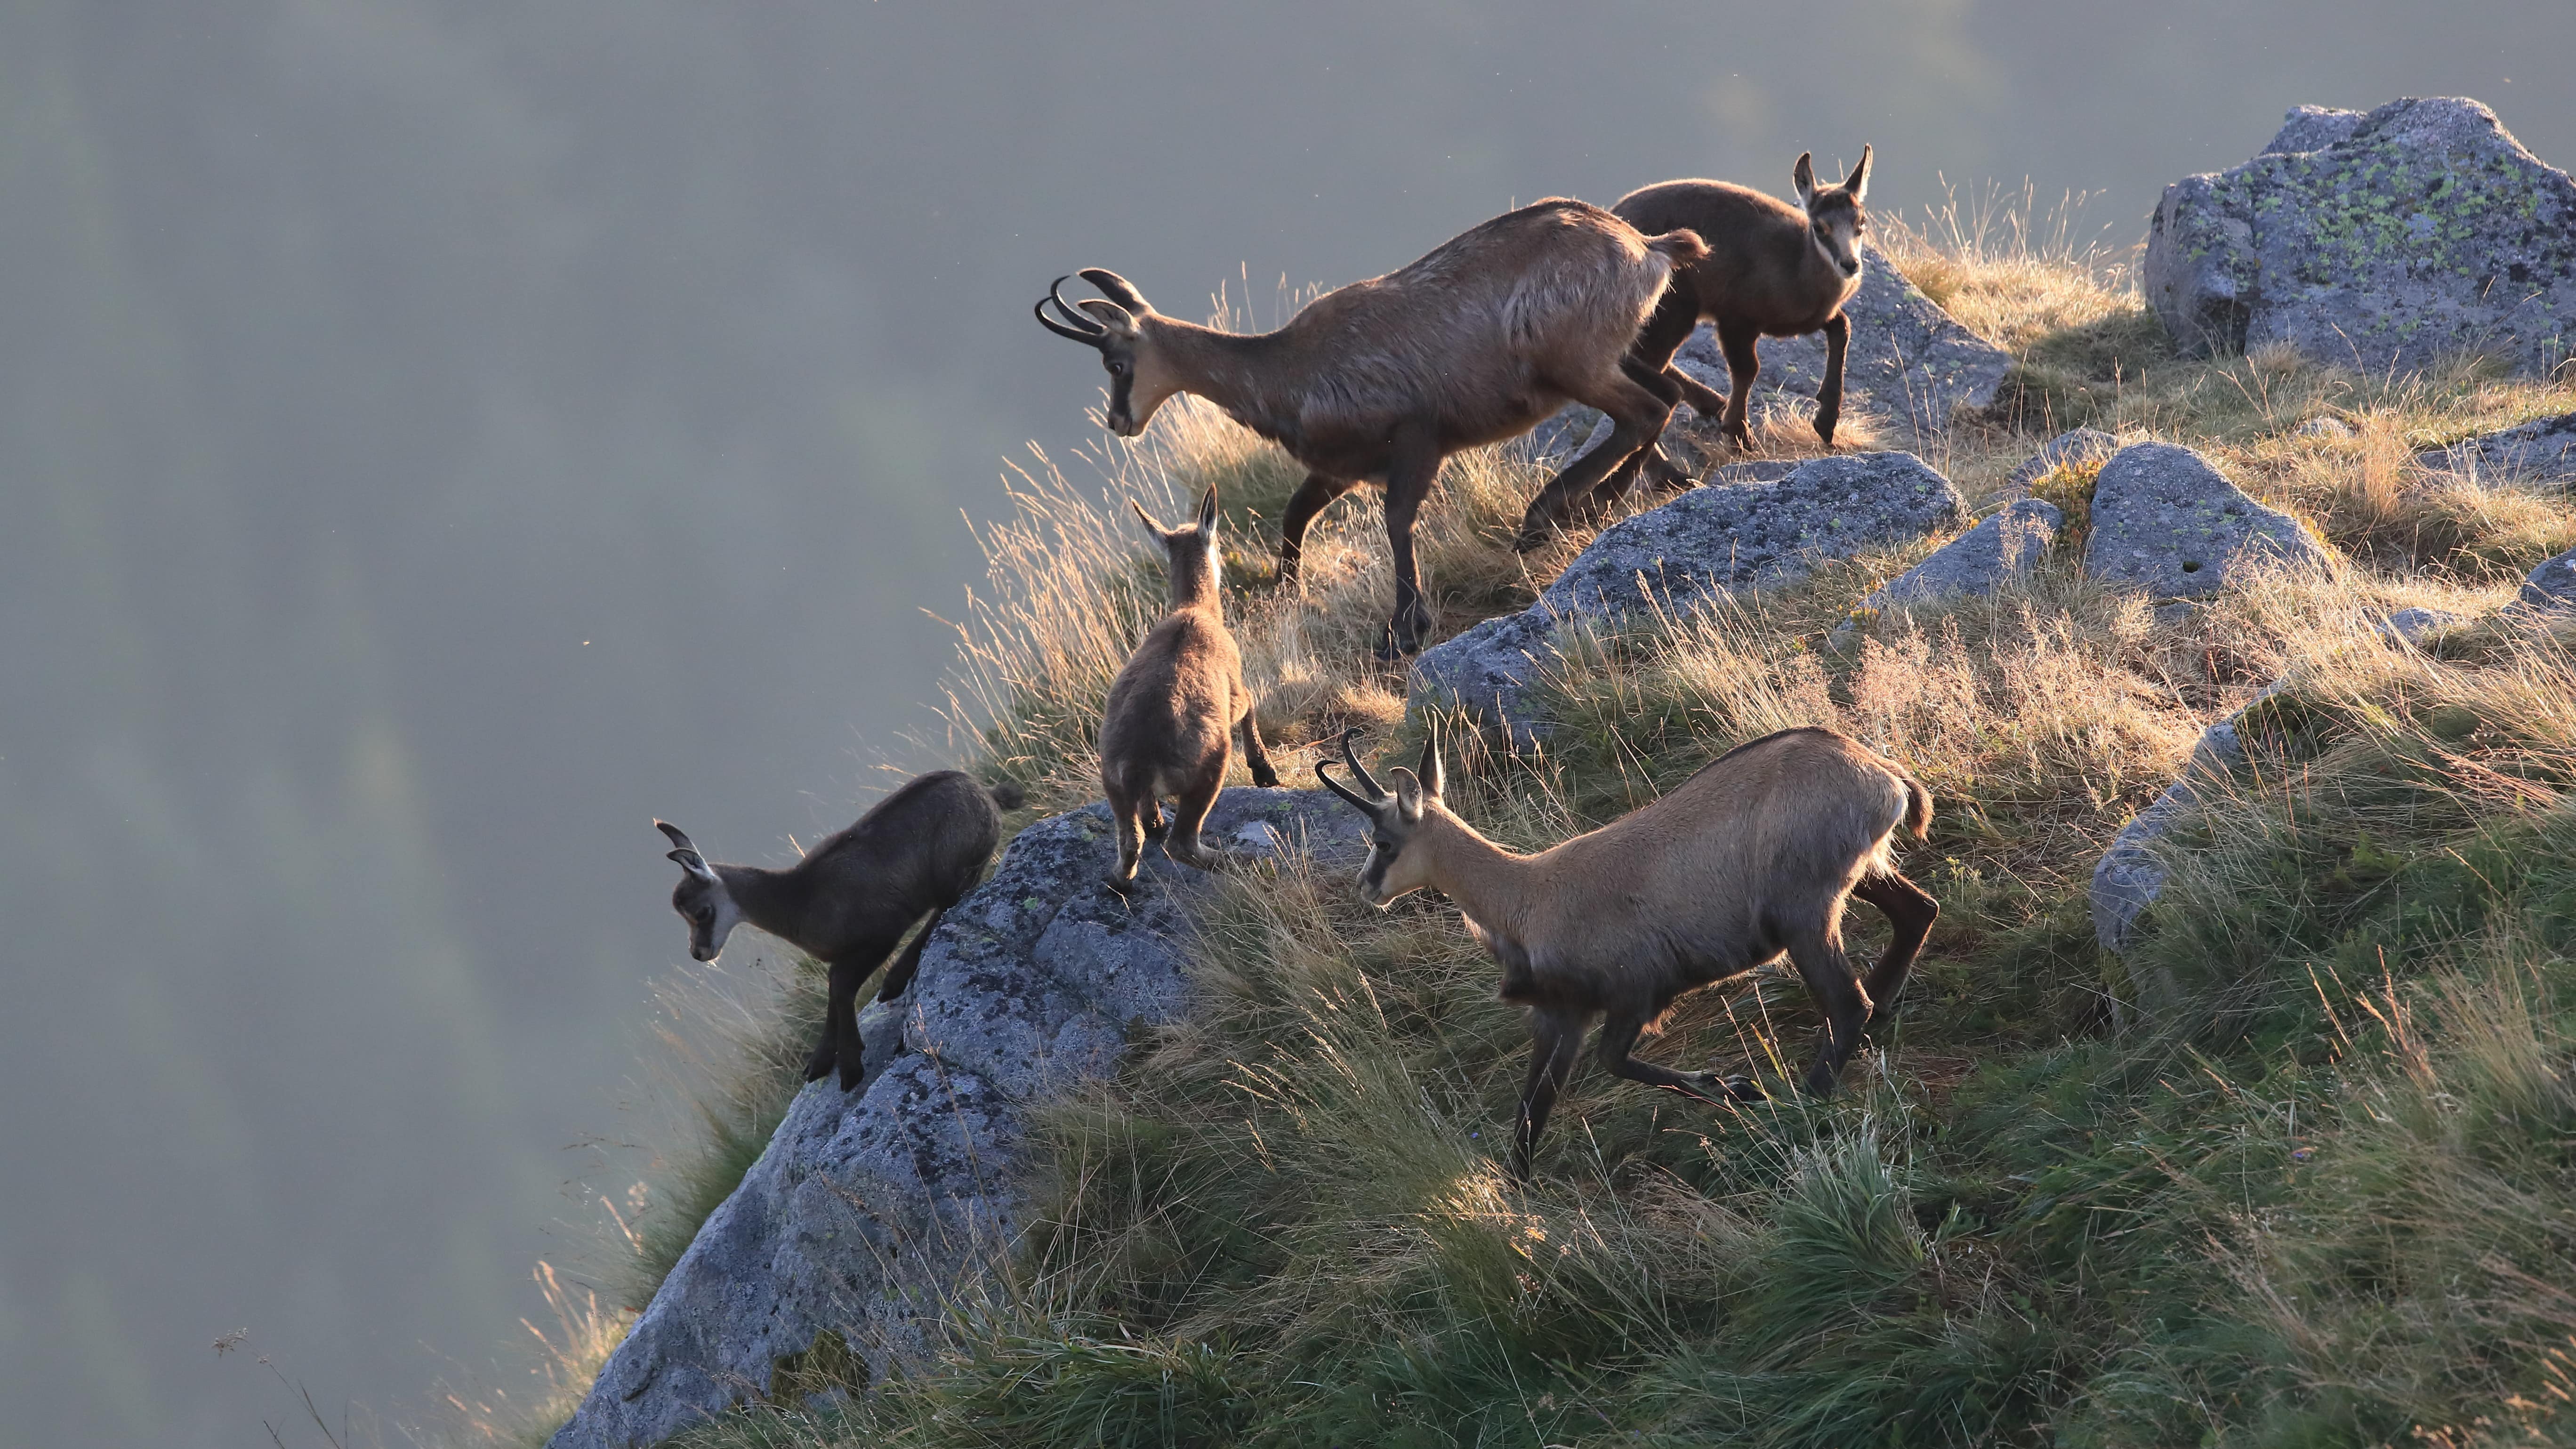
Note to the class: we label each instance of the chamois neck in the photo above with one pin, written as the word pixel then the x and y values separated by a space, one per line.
pixel 1491 884
pixel 767 898
pixel 1196 589
pixel 1229 369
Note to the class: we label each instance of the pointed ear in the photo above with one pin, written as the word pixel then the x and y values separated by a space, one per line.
pixel 1150 520
pixel 1857 183
pixel 1117 289
pixel 1207 511
pixel 1802 176
pixel 1110 315
pixel 1431 773
pixel 1408 793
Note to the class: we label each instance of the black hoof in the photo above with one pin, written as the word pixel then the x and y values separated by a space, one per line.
pixel 818 1066
pixel 851 1073
pixel 1744 1089
pixel 1157 828
pixel 1392 649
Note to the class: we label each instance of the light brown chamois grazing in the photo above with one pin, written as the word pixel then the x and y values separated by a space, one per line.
pixel 1381 380
pixel 1771 270
pixel 1750 858
pixel 846 904
pixel 1168 728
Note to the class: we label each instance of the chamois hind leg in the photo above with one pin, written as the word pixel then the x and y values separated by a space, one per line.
pixel 898 978
pixel 1619 1033
pixel 1661 337
pixel 1605 495
pixel 1743 365
pixel 1637 416
pixel 1151 812
pixel 1910 912
pixel 1818 951
pixel 1556 1041
pixel 1829 398
pixel 1190 810
pixel 1255 757
pixel 1124 808
pixel 1312 497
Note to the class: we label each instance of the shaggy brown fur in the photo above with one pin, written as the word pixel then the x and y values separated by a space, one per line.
pixel 1383 379
pixel 1751 858
pixel 1168 728
pixel 1772 270
pixel 848 901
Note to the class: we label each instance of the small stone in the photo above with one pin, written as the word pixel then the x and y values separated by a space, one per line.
pixel 2552 586
pixel 2324 428
pixel 2167 521
pixel 2412 624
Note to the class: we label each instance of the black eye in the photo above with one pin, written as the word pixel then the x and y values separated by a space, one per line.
pixel 1117 369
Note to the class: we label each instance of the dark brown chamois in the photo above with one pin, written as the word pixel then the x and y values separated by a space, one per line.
pixel 1381 380
pixel 1750 858
pixel 1168 728
pixel 1771 270
pixel 846 904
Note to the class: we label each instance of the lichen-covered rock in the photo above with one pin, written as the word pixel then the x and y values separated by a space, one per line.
pixel 2541 451
pixel 2373 241
pixel 2412 624
pixel 1910 365
pixel 868 1209
pixel 2167 521
pixel 2551 586
pixel 2007 545
pixel 2132 873
pixel 2078 445
pixel 1713 540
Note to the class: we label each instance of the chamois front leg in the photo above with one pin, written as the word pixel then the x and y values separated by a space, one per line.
pixel 898 978
pixel 1311 498
pixel 1829 398
pixel 1619 1037
pixel 1818 953
pixel 1743 364
pixel 1408 481
pixel 1637 415
pixel 1556 1041
pixel 840 1024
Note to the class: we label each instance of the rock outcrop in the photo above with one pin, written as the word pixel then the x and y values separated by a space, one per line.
pixel 2008 544
pixel 1911 366
pixel 2552 586
pixel 1713 540
pixel 2541 451
pixel 2373 241
pixel 868 1209
pixel 2167 521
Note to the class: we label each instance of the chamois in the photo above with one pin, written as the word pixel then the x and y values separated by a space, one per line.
pixel 1751 857
pixel 1169 724
pixel 1381 380
pixel 848 901
pixel 1771 270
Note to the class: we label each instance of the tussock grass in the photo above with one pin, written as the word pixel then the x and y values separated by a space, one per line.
pixel 2293 1172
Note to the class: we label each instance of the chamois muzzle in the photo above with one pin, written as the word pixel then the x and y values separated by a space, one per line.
pixel 1076 326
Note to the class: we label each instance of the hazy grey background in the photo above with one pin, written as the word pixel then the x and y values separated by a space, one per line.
pixel 437 438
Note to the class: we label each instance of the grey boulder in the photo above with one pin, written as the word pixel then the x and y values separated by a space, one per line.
pixel 2006 546
pixel 2132 873
pixel 869 1211
pixel 2541 451
pixel 2167 521
pixel 2373 241
pixel 1711 542
pixel 2552 586
pixel 2076 446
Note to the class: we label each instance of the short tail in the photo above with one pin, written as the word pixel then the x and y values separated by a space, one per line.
pixel 1683 246
pixel 1918 808
pixel 1006 795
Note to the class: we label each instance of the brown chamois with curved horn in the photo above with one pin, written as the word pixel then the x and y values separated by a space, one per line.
pixel 1771 270
pixel 1168 727
pixel 1381 380
pixel 1751 858
pixel 849 900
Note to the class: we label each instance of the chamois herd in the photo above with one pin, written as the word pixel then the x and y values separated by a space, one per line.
pixel 1750 860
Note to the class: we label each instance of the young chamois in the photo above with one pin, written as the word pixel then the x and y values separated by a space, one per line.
pixel 1381 380
pixel 848 901
pixel 1751 857
pixel 1168 728
pixel 1771 270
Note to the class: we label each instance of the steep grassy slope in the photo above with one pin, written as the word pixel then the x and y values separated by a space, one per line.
pixel 2298 1171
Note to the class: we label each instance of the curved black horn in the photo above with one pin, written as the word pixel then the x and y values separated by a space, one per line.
pixel 1359 772
pixel 1081 329
pixel 1367 806
pixel 678 836
pixel 1117 289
